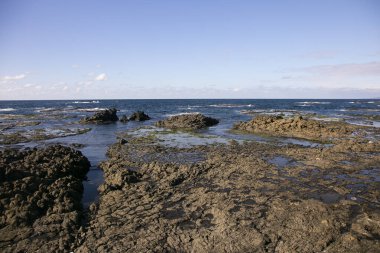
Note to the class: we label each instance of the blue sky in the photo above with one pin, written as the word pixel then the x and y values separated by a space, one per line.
pixel 189 49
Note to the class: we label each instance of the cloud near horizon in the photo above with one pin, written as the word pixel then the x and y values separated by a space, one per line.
pixel 350 69
pixel 13 78
pixel 348 75
pixel 101 77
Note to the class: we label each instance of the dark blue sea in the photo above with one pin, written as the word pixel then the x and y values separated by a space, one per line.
pixel 55 115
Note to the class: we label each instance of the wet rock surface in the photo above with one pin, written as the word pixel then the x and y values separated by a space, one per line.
pixel 105 116
pixel 187 121
pixel 234 200
pixel 297 127
pixel 40 198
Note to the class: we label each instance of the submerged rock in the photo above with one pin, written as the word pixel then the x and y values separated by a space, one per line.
pixel 187 121
pixel 40 198
pixel 297 127
pixel 139 116
pixel 105 116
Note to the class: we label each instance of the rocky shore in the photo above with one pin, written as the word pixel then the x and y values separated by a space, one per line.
pixel 243 196
pixel 247 197
pixel 40 198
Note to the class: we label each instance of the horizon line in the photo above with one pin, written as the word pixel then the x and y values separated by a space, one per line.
pixel 103 99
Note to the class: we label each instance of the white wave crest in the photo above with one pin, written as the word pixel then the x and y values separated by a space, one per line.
pixel 230 105
pixel 86 102
pixel 7 109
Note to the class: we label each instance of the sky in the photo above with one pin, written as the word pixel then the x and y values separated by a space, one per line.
pixel 113 49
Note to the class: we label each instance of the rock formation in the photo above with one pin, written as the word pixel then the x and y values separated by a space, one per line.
pixel 187 121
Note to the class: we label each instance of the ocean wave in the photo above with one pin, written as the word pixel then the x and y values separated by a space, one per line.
pixel 96 109
pixel 328 119
pixel 312 103
pixel 181 113
pixel 44 109
pixel 285 112
pixel 86 102
pixel 190 107
pixel 363 102
pixel 7 109
pixel 230 105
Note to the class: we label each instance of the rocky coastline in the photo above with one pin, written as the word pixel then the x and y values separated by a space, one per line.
pixel 241 196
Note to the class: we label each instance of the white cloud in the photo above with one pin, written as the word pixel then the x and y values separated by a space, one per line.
pixel 13 78
pixel 101 77
pixel 28 85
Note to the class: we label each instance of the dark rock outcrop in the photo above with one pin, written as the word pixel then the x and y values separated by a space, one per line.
pixel 40 198
pixel 105 116
pixel 139 116
pixel 187 121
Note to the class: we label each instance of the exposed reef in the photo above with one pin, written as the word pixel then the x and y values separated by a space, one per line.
pixel 298 127
pixel 187 121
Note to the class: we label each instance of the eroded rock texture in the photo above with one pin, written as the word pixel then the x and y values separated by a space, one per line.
pixel 40 198
pixel 297 127
pixel 235 200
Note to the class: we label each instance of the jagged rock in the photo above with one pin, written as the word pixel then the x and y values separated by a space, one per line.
pixel 105 116
pixel 40 194
pixel 187 121
pixel 139 116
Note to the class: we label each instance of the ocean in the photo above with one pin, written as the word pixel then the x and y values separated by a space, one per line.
pixel 54 115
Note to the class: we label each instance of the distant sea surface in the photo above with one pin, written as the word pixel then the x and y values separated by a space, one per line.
pixel 66 113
